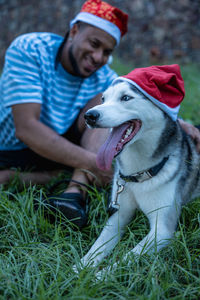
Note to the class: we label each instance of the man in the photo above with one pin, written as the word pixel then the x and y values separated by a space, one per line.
pixel 46 86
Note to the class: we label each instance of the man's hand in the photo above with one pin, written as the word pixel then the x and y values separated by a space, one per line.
pixel 192 131
pixel 99 177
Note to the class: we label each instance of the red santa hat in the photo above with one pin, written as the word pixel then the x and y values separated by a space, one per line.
pixel 104 16
pixel 163 85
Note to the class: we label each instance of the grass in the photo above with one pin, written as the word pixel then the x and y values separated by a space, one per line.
pixel 36 257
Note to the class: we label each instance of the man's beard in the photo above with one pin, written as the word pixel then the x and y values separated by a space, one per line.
pixel 74 63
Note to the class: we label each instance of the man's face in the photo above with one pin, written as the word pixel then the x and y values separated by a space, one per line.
pixel 87 50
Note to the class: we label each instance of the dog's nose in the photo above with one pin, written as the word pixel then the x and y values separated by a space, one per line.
pixel 91 117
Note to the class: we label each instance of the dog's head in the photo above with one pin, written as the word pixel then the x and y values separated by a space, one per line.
pixel 121 103
pixel 128 112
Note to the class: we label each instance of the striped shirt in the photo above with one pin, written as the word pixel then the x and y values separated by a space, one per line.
pixel 29 76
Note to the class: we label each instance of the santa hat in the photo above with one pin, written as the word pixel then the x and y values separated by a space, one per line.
pixel 104 16
pixel 163 85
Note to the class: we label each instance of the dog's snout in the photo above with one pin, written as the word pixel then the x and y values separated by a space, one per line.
pixel 91 117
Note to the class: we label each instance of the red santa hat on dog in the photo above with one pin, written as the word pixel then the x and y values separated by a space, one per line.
pixel 104 16
pixel 163 85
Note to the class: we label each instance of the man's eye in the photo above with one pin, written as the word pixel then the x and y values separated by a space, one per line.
pixel 107 52
pixel 94 44
pixel 126 98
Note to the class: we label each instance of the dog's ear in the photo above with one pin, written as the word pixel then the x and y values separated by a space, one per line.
pixel 116 82
pixel 137 91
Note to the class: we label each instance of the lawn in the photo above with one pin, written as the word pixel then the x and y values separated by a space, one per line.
pixel 36 257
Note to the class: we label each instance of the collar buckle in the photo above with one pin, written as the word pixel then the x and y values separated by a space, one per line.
pixel 144 175
pixel 120 187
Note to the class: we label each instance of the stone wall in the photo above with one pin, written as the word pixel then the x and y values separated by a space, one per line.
pixel 159 30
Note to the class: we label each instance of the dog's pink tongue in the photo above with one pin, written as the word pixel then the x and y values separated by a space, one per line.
pixel 109 149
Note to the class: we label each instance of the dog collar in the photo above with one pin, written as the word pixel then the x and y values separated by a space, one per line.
pixel 137 177
pixel 144 175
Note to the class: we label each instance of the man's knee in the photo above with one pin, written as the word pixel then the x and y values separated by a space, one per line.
pixel 81 120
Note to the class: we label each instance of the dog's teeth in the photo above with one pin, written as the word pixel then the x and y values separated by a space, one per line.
pixel 128 132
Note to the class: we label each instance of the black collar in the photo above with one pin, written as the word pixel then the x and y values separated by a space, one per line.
pixel 144 175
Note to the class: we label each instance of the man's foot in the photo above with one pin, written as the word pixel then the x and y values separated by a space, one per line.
pixel 71 206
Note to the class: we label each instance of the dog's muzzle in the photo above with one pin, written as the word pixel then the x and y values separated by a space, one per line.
pixel 91 117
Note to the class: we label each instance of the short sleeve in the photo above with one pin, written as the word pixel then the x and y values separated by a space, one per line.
pixel 21 79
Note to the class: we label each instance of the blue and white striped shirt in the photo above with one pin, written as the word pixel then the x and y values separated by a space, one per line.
pixel 29 76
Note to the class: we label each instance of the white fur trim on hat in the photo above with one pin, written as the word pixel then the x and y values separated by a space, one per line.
pixel 172 112
pixel 101 23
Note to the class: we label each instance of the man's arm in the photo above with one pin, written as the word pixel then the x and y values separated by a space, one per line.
pixel 192 131
pixel 46 142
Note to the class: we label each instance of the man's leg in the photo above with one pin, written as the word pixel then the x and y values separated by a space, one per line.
pixel 72 201
pixel 27 177
pixel 24 160
pixel 91 140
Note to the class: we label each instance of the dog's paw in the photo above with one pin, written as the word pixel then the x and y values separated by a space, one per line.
pixel 103 274
pixel 89 261
pixel 76 269
pixel 82 264
pixel 106 272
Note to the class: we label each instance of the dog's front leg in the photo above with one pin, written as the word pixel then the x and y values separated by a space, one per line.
pixel 112 232
pixel 162 229
pixel 105 243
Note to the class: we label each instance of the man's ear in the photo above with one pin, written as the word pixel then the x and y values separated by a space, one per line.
pixel 73 31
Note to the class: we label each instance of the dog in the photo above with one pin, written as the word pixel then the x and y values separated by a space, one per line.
pixel 157 166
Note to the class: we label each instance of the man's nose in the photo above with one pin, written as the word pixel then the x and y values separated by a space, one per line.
pixel 98 56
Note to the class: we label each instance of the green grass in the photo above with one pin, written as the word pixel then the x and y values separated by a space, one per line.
pixel 36 257
pixel 190 108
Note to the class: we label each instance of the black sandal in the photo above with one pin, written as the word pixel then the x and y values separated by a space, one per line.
pixel 70 206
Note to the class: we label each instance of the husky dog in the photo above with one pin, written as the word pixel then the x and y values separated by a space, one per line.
pixel 156 165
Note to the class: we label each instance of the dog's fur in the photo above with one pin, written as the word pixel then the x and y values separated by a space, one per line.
pixel 160 197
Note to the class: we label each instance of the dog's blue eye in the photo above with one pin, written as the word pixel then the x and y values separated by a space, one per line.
pixel 126 98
